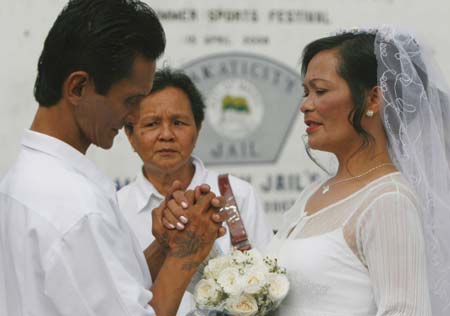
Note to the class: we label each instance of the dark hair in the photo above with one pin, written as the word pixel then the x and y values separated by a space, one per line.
pixel 357 66
pixel 168 77
pixel 101 37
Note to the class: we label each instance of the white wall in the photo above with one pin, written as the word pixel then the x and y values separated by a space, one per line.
pixel 25 23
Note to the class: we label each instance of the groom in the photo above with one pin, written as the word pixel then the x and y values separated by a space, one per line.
pixel 65 247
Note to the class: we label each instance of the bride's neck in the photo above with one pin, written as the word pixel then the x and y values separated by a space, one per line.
pixel 361 160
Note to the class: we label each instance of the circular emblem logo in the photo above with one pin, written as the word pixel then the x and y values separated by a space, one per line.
pixel 235 108
pixel 251 103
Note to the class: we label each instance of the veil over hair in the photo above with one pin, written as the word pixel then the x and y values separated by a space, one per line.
pixel 416 117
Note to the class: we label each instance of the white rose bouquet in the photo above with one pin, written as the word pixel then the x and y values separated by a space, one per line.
pixel 242 284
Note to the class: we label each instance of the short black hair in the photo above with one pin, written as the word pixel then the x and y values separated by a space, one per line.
pixel 168 77
pixel 357 66
pixel 101 37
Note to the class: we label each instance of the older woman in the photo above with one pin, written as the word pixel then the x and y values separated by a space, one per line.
pixel 373 238
pixel 164 138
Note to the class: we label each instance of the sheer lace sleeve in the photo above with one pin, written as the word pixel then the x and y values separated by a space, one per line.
pixel 390 243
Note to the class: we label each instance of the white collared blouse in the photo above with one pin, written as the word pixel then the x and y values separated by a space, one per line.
pixel 137 200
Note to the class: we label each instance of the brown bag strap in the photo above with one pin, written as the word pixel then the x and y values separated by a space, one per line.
pixel 238 234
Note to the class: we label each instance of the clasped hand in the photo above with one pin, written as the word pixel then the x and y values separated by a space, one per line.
pixel 187 223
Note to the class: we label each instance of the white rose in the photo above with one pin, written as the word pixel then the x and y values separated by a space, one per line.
pixel 254 279
pixel 278 287
pixel 243 305
pixel 206 291
pixel 262 267
pixel 215 266
pixel 238 257
pixel 255 255
pixel 230 280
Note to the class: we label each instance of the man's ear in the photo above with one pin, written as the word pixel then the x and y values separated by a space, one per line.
pixel 374 99
pixel 129 130
pixel 75 86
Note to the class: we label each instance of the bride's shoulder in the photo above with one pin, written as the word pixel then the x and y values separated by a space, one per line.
pixel 393 183
pixel 391 193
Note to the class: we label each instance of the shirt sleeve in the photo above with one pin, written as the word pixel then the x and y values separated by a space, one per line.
pixel 390 241
pixel 94 271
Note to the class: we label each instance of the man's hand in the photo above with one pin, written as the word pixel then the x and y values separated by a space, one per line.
pixel 199 234
pixel 187 248
pixel 174 208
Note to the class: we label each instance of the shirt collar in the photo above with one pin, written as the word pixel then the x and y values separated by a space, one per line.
pixel 148 192
pixel 69 156
pixel 200 174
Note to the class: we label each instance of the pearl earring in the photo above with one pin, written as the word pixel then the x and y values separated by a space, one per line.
pixel 369 113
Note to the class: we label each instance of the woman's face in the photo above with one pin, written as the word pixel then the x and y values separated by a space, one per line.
pixel 327 105
pixel 166 133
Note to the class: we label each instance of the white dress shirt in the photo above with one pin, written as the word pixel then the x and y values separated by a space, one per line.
pixel 65 247
pixel 137 200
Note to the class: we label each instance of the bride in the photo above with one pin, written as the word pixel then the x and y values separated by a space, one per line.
pixel 372 239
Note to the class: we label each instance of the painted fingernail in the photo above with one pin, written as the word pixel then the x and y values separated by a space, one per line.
pixel 180 226
pixel 170 226
pixel 184 204
pixel 183 219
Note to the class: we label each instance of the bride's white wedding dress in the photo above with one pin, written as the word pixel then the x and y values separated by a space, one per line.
pixel 363 255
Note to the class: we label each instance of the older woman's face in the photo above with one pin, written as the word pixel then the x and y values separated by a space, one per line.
pixel 327 105
pixel 165 134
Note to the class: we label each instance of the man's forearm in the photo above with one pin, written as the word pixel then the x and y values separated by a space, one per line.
pixel 171 283
pixel 155 255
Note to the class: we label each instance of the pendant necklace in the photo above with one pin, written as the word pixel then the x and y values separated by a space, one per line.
pixel 326 188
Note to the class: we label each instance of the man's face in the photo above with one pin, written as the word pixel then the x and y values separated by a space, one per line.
pixel 100 117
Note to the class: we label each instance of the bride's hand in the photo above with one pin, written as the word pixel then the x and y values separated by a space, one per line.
pixel 175 215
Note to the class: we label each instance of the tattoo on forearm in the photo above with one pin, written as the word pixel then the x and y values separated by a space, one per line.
pixel 164 240
pixel 191 265
pixel 187 244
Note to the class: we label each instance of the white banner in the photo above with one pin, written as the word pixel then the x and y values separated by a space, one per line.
pixel 244 56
